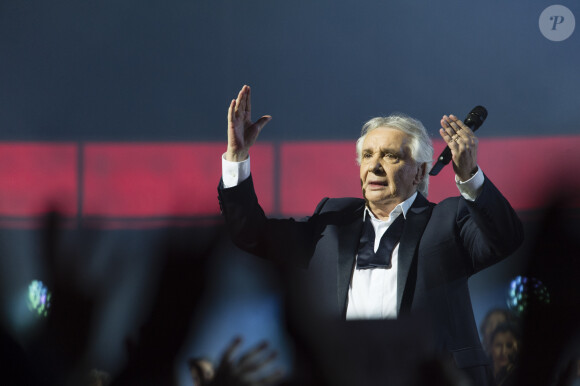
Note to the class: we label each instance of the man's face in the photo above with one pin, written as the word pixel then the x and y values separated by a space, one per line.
pixel 388 174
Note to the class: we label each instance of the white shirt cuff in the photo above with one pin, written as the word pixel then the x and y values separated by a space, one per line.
pixel 234 173
pixel 471 188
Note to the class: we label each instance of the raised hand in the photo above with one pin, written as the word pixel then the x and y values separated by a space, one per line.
pixel 242 132
pixel 463 144
pixel 249 369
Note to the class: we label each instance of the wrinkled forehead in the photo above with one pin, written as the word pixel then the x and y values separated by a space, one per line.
pixel 386 136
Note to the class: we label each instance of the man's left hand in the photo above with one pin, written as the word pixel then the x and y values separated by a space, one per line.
pixel 463 145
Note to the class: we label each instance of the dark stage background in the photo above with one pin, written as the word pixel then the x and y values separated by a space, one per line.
pixel 113 114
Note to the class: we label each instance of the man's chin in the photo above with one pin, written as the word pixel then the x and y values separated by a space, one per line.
pixel 376 199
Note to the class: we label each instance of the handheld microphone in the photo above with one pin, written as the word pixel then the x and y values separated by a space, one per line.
pixel 473 120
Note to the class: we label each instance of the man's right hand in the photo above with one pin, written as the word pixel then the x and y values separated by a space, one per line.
pixel 242 132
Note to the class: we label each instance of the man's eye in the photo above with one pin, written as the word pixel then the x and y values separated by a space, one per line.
pixel 390 155
pixel 367 155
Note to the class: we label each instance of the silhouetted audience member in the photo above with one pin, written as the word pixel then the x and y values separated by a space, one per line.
pixel 151 357
pixel 54 356
pixel 247 369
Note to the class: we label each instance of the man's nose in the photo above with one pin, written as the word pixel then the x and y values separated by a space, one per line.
pixel 377 167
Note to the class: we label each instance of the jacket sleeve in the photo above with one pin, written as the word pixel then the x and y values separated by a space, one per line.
pixel 489 227
pixel 286 240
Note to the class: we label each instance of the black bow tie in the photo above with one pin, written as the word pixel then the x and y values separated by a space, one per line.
pixel 367 258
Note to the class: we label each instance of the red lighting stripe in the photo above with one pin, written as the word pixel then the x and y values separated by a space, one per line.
pixel 153 179
pixel 168 183
pixel 529 171
pixel 312 170
pixel 38 178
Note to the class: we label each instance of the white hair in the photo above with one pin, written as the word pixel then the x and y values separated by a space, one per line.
pixel 420 145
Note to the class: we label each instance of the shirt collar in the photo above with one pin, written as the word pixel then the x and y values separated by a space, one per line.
pixel 403 207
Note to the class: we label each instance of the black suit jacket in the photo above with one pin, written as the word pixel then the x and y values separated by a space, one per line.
pixel 441 247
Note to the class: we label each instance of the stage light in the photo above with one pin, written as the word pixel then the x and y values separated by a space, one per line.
pixel 524 291
pixel 39 298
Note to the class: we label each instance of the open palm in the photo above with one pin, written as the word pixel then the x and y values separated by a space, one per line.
pixel 242 132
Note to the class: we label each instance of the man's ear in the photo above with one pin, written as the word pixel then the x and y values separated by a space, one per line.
pixel 421 172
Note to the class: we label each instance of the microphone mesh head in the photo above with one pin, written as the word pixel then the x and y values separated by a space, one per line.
pixel 480 111
pixel 476 117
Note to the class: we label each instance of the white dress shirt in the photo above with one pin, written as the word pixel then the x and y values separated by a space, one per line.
pixel 372 293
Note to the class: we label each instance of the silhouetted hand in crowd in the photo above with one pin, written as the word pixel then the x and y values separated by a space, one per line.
pixel 249 369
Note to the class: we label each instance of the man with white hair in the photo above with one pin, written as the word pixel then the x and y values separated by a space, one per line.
pixel 392 252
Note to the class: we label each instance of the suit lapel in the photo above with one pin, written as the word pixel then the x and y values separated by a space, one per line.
pixel 348 239
pixel 415 223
